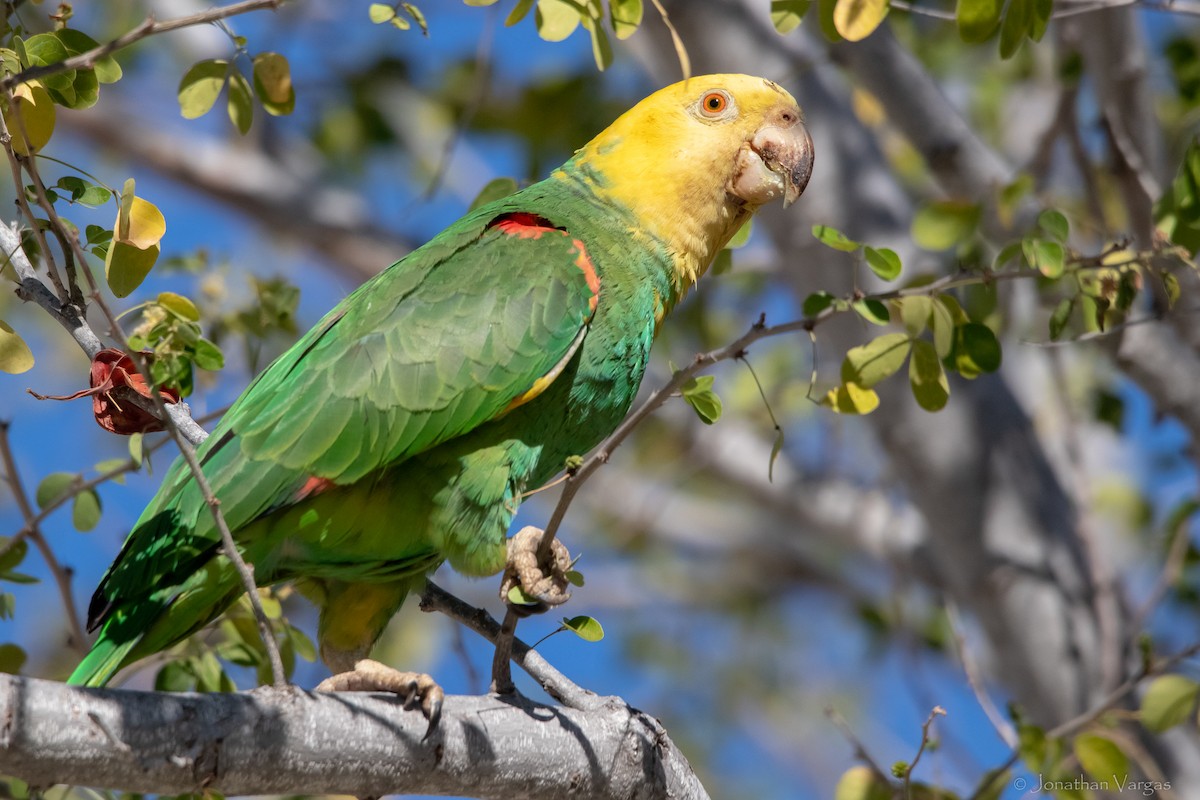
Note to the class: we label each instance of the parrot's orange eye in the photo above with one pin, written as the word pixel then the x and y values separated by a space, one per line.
pixel 714 103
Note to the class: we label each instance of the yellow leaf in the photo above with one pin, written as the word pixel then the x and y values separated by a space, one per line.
pixel 556 19
pixel 201 86
pixel 273 83
pixel 857 19
pixel 15 356
pixel 146 224
pixel 851 398
pixel 33 114
pixel 127 266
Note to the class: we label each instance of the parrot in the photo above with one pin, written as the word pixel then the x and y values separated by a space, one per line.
pixel 403 430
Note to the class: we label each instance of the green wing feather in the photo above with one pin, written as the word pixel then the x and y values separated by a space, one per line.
pixel 441 342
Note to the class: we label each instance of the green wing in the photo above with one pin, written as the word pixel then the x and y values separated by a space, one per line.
pixel 441 342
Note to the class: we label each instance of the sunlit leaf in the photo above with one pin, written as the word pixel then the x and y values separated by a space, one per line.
pixel 54 487
pixel 884 262
pixel 556 19
pixel 626 16
pixel 915 312
pixel 519 12
pixel 861 783
pixel 85 511
pixel 873 311
pixel 273 84
pixel 832 237
pixel 518 597
pixel 241 104
pixel 75 42
pixel 15 355
pixel 927 378
pixel 12 658
pixel 977 19
pixel 699 394
pixel 880 358
pixel 857 19
pixel 1168 701
pixel 742 236
pixel 587 628
pixel 786 15
pixel 1054 222
pixel 1047 257
pixel 382 12
pixel 31 112
pixel 1101 758
pixel 126 266
pixel 201 86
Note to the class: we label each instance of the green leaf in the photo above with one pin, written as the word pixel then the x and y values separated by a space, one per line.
pixel 873 311
pixel 723 263
pixel 817 302
pixel 883 262
pixel 127 266
pixel 13 556
pixel 556 19
pixel 208 356
pixel 978 350
pixel 179 305
pixel 381 12
pixel 494 190
pixel 1015 26
pixel 84 192
pixel 85 511
pixel 944 224
pixel 54 487
pixel 12 658
pixel 241 104
pixel 832 237
pixel 825 11
pixel 586 628
pixel 786 15
pixel 273 84
pixel 915 311
pixel 136 448
pixel 857 19
pixel 626 16
pixel 201 86
pixel 1055 223
pixel 107 70
pixel 880 358
pixel 1048 258
pixel 943 325
pixel 15 355
pixel 1010 252
pixel 174 677
pixel 574 577
pixel 519 12
pixel 1101 758
pixel 699 394
pixel 1168 702
pixel 861 783
pixel 518 597
pixel 927 378
pixel 977 19
pixel 601 47
pixel 417 17
pixel 1177 213
pixel 1060 316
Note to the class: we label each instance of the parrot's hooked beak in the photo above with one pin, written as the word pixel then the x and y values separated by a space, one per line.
pixel 776 162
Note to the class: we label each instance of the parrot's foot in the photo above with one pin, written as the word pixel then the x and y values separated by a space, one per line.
pixel 371 676
pixel 547 583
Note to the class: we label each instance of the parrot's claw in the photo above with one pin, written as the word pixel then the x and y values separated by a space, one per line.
pixel 546 583
pixel 371 676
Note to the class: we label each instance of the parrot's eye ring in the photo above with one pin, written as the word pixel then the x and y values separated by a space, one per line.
pixel 713 103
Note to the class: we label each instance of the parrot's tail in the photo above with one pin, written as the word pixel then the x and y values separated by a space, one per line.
pixel 147 625
pixel 102 661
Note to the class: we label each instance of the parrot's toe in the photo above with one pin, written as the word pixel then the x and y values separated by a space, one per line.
pixel 547 583
pixel 371 676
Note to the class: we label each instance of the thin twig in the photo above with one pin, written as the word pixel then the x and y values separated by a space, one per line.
pixel 62 576
pixel 860 750
pixel 937 711
pixel 975 681
pixel 148 27
pixel 557 685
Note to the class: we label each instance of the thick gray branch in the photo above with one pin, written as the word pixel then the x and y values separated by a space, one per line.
pixel 291 741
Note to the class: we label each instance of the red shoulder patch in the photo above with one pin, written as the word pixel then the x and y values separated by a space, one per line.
pixel 526 226
pixel 313 486
pixel 532 226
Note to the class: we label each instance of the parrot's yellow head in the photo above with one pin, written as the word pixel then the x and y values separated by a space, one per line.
pixel 693 161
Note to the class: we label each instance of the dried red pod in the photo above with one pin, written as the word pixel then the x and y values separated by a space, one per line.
pixel 112 369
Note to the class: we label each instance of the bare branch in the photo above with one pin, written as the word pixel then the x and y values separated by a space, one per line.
pixel 288 741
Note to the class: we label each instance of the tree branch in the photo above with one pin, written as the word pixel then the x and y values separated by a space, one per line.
pixel 288 741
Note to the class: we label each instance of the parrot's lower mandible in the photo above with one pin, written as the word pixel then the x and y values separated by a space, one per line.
pixel 403 430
